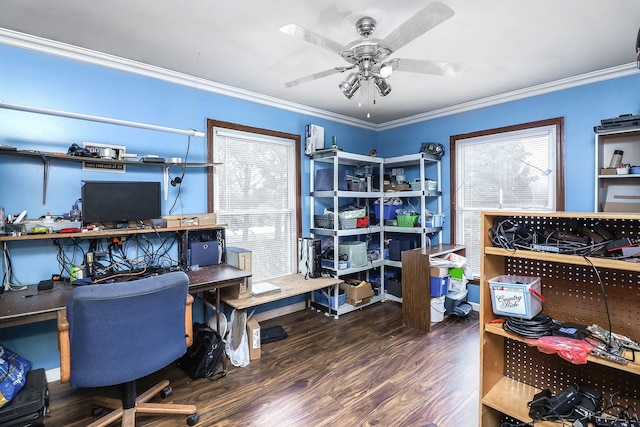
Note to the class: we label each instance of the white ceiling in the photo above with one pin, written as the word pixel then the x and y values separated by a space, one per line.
pixel 504 45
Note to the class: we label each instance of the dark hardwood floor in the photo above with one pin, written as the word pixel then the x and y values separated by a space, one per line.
pixel 363 369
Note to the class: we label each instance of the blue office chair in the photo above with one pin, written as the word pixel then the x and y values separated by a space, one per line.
pixel 120 332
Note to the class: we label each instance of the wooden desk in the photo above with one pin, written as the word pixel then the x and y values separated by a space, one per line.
pixel 291 285
pixel 30 306
pixel 216 277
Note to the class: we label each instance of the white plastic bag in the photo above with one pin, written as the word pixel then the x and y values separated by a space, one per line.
pixel 237 342
pixel 450 260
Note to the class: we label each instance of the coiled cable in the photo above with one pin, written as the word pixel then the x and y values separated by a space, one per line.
pixel 541 325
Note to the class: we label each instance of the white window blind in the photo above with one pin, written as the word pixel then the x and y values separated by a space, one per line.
pixel 255 194
pixel 506 171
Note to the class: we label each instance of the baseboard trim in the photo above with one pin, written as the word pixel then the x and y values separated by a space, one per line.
pixel 292 308
pixel 52 375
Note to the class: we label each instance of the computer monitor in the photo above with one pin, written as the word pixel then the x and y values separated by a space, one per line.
pixel 120 201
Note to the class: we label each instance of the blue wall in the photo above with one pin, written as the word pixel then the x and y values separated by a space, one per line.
pixel 31 78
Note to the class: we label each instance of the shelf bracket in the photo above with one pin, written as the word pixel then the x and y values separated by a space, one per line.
pixel 165 181
pixel 45 177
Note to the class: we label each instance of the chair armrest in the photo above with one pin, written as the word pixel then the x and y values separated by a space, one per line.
pixel 188 320
pixel 64 346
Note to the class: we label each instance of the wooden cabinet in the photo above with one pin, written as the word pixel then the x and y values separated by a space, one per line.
pixel 416 287
pixel 511 371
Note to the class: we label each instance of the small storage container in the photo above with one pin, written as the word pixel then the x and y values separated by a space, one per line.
pixel 393 287
pixel 388 211
pixel 437 309
pixel 324 180
pixel 355 251
pixel 326 297
pixel 454 299
pixel 429 185
pixel 516 296
pixel 439 285
pixel 328 263
pixel 407 220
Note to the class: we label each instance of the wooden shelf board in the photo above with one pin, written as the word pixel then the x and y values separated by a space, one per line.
pixel 43 155
pixel 109 232
pixel 565 259
pixel 510 397
pixel 631 367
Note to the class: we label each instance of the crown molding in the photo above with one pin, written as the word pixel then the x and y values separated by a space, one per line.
pixel 51 47
pixel 554 86
pixel 39 44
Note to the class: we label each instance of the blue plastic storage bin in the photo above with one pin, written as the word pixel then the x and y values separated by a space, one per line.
pixel 389 211
pixel 439 285
pixel 324 180
pixel 320 297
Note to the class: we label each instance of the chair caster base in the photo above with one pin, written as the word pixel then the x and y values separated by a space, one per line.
pixel 193 419
pixel 166 392
pixel 96 411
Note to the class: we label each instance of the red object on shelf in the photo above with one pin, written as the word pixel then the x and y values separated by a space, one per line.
pixel 362 222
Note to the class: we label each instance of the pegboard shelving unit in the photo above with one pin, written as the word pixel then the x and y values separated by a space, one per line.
pixel 511 371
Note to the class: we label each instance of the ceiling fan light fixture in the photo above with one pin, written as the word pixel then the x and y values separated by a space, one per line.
pixel 385 70
pixel 350 86
pixel 383 87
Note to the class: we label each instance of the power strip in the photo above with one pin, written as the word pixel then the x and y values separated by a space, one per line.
pixel 545 248
pixel 614 422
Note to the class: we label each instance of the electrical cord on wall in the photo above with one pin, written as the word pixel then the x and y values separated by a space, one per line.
pixel 9 275
pixel 180 180
pixel 604 298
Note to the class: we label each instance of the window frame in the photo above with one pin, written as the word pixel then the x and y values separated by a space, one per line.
pixel 211 124
pixel 558 122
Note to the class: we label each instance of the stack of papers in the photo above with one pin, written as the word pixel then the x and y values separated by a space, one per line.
pixel 263 288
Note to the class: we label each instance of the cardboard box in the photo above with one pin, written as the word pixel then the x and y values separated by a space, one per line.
pixel 622 198
pixel 608 171
pixel 438 271
pixel 358 293
pixel 253 335
pixel 239 258
pixel 207 219
pixel 314 138
pixel 190 219
pixel 397 187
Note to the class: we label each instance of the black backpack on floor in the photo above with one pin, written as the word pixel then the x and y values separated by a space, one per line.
pixel 205 354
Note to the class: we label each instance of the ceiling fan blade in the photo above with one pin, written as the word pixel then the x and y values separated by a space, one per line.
pixel 438 68
pixel 313 38
pixel 432 15
pixel 317 76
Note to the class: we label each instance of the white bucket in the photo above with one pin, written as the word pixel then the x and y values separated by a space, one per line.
pixel 223 323
pixel 437 309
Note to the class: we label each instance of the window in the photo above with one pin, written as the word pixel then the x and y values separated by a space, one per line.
pixel 256 191
pixel 511 169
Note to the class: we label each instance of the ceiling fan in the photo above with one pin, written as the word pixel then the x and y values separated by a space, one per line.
pixel 368 56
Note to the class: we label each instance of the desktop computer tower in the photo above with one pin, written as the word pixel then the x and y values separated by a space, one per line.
pixel 309 257
pixel 239 258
